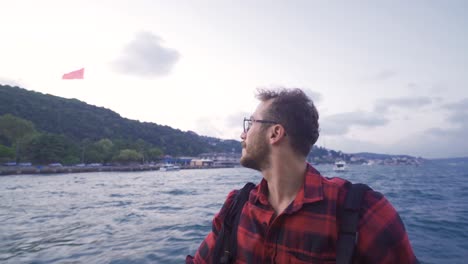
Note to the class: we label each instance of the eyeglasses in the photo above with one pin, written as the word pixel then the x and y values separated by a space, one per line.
pixel 248 123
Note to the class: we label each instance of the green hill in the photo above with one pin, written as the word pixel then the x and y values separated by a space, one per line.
pixel 43 128
pixel 79 121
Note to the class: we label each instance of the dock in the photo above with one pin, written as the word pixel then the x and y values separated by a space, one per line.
pixel 15 170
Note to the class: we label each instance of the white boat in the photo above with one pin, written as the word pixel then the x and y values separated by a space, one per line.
pixel 340 166
pixel 169 167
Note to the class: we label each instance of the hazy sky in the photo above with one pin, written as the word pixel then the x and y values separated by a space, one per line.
pixel 387 76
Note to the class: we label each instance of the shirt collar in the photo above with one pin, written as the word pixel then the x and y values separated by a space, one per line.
pixel 312 191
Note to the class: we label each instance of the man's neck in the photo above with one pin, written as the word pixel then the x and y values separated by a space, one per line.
pixel 285 177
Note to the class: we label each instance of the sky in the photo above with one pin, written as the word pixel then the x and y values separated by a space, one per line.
pixel 386 76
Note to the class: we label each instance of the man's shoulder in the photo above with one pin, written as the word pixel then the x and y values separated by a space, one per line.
pixel 233 194
pixel 340 187
pixel 326 181
pixel 336 182
pixel 335 185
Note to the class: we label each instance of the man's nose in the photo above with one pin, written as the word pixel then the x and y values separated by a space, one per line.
pixel 243 135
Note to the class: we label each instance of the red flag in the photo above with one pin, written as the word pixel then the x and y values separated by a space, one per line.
pixel 78 74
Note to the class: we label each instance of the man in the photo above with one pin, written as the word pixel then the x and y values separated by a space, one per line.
pixel 293 215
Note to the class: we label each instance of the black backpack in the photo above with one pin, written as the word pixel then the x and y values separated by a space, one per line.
pixel 225 250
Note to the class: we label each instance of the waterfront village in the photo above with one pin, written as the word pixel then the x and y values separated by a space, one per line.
pixel 232 159
pixel 209 161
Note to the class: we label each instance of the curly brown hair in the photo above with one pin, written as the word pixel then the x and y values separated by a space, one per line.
pixel 296 112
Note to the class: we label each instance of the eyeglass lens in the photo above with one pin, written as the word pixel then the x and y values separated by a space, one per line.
pixel 247 124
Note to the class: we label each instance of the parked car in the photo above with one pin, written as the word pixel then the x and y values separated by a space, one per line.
pixel 94 165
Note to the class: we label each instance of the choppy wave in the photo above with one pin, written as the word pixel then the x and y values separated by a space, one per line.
pixel 159 217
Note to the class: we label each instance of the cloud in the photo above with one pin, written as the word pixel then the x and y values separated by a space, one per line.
pixel 146 57
pixel 461 105
pixel 225 127
pixel 435 143
pixel 384 75
pixel 439 142
pixel 458 112
pixel 207 127
pixel 7 81
pixel 315 96
pixel 349 145
pixel 339 124
pixel 235 120
pixel 460 118
pixel 435 131
pixel 412 85
pixel 382 105
pixel 432 143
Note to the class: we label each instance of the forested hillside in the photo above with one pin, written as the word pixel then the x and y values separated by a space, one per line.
pixel 82 124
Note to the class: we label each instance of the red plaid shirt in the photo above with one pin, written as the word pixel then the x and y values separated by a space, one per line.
pixel 307 230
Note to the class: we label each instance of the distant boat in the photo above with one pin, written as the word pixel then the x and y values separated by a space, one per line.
pixel 169 167
pixel 340 166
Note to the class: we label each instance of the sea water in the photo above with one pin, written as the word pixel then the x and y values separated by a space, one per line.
pixel 160 217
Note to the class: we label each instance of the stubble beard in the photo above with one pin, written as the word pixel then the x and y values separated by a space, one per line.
pixel 255 156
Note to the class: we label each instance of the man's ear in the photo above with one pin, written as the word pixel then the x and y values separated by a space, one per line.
pixel 277 133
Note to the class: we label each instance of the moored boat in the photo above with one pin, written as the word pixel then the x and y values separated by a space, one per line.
pixel 169 167
pixel 340 166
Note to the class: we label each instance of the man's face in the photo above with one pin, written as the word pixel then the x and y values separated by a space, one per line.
pixel 255 147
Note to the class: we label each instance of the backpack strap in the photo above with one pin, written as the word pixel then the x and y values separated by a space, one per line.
pixel 225 249
pixel 348 232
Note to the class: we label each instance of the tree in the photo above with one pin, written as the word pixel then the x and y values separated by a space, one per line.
pixel 154 154
pixel 47 148
pixel 6 153
pixel 17 131
pixel 141 146
pixel 105 147
pixel 78 121
pixel 13 128
pixel 94 155
pixel 128 156
pixel 97 152
pixel 84 145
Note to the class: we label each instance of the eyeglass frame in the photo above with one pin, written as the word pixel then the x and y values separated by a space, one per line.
pixel 252 120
